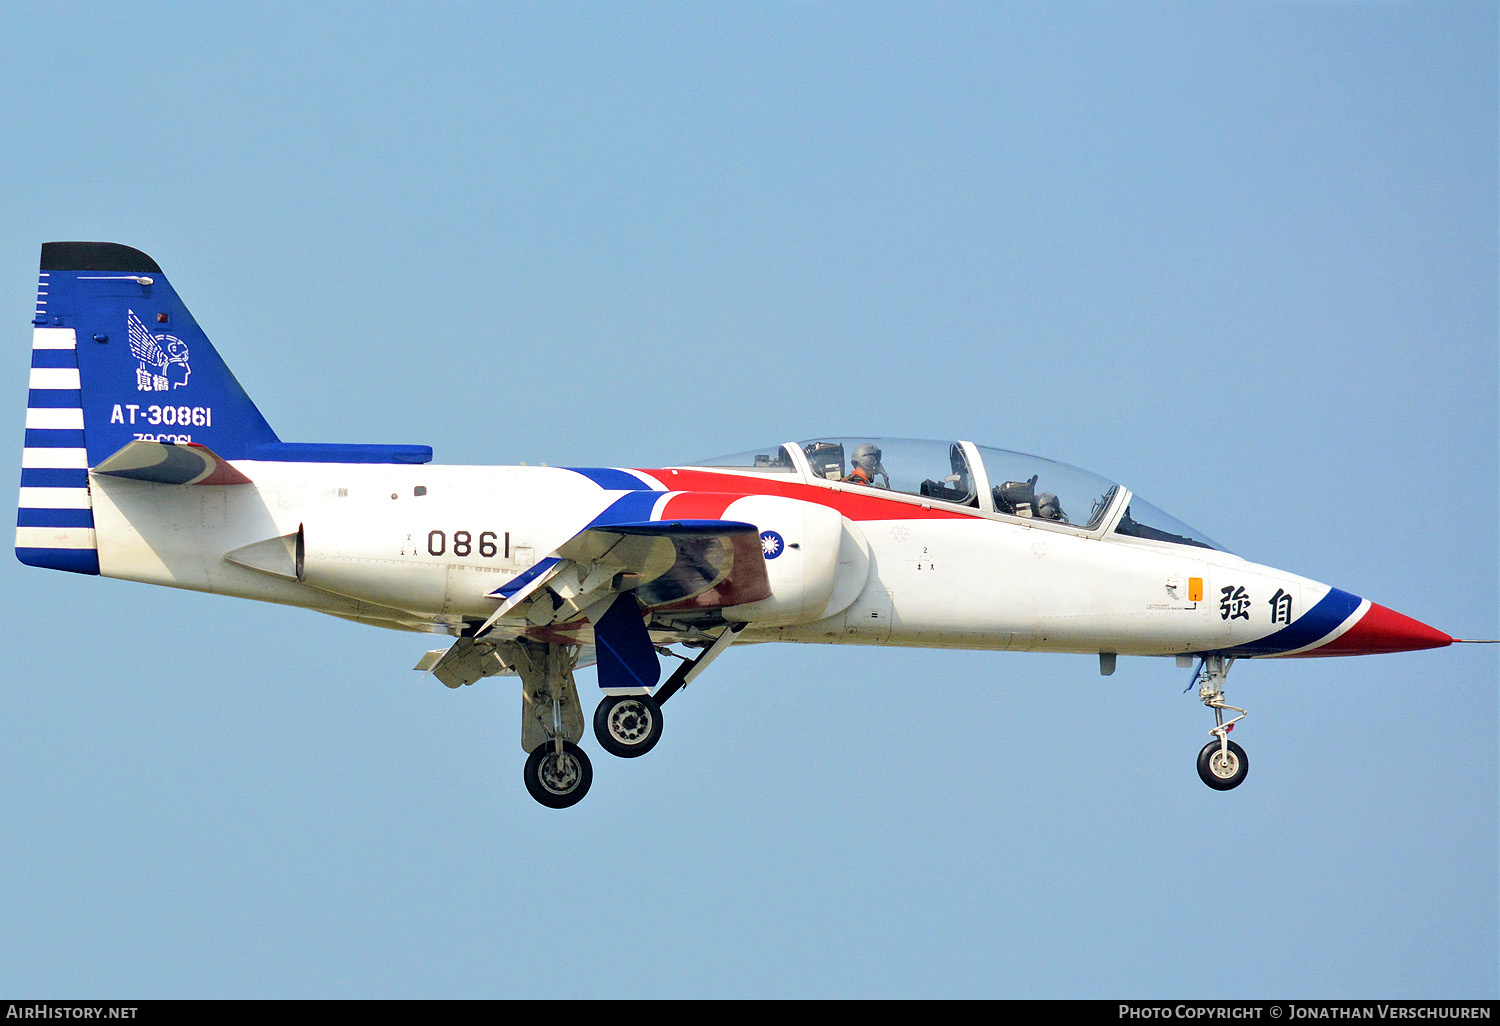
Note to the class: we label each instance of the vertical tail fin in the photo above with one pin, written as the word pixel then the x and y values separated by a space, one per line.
pixel 116 356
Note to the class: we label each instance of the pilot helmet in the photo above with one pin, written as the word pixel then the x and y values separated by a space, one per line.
pixel 867 457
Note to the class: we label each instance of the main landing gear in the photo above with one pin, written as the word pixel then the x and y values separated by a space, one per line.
pixel 558 773
pixel 627 725
pixel 1222 764
pixel 630 725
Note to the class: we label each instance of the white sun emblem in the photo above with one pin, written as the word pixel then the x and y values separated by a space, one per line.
pixel 771 544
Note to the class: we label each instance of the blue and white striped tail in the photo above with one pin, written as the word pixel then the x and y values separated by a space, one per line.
pixel 55 522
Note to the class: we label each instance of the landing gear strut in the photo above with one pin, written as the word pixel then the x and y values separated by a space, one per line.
pixel 558 773
pixel 630 725
pixel 1222 764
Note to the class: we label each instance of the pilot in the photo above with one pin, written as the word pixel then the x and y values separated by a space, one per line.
pixel 866 464
pixel 1048 508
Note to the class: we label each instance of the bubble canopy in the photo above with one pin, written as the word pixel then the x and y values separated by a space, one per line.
pixel 994 481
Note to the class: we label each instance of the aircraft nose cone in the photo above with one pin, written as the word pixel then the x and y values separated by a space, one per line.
pixel 1385 630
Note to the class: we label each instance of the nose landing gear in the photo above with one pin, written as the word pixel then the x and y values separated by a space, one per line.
pixel 1222 764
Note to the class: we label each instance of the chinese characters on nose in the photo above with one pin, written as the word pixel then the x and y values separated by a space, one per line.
pixel 1234 604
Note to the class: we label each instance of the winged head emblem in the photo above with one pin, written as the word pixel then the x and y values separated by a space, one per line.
pixel 163 358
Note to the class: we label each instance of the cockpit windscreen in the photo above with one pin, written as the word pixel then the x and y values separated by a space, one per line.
pixel 769 459
pixel 1143 520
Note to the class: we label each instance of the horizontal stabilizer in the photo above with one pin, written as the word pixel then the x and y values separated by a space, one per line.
pixel 171 463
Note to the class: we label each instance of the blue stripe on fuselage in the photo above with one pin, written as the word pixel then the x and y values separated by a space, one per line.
pixel 1313 625
pixel 54 438
pixel 611 479
pixel 54 399
pixel 630 508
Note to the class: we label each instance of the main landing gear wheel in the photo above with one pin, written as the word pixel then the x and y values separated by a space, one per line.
pixel 1220 769
pixel 558 780
pixel 627 725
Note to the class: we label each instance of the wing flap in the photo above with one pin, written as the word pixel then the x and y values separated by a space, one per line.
pixel 465 662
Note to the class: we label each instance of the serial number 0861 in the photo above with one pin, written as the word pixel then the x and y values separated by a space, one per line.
pixel 464 544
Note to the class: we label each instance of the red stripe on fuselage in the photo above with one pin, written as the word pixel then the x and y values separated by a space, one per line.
pixel 855 502
pixel 696 506
pixel 1383 630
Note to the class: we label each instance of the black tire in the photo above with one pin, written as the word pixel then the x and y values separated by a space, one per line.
pixel 1221 774
pixel 627 725
pixel 558 781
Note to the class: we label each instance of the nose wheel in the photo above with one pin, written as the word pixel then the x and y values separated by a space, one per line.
pixel 1222 764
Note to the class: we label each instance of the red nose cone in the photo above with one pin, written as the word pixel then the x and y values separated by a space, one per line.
pixel 1384 630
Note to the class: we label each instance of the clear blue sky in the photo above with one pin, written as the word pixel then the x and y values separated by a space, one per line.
pixel 1241 257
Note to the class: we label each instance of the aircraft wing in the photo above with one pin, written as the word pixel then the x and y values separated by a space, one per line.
pixel 467 661
pixel 672 564
pixel 608 575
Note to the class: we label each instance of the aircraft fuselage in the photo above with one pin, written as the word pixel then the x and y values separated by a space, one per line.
pixel 427 548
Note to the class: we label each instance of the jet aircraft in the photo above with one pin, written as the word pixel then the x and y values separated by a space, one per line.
pixel 145 460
